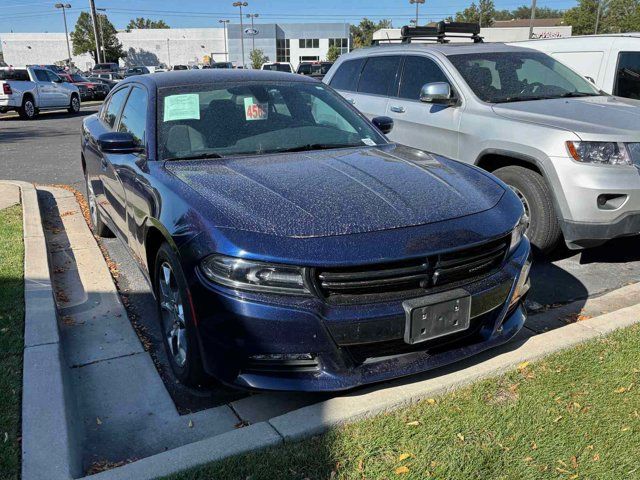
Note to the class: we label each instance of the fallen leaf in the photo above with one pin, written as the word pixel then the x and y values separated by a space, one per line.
pixel 557 419
pixel 98 421
pixel 574 462
pixel 625 429
pixel 528 459
pixel 523 365
pixel 596 457
pixel 431 401
pixel 460 436
pixel 534 446
pixel 413 424
pixel 620 390
pixel 403 456
pixel 361 465
pixel 401 470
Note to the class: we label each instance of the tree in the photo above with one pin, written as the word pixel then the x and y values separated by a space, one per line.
pixel 333 53
pixel 84 40
pixel 582 17
pixel 142 22
pixel 482 13
pixel 257 58
pixel 362 33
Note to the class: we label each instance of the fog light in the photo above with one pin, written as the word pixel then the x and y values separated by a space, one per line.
pixel 523 285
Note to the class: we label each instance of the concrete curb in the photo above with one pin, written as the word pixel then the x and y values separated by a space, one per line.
pixel 317 418
pixel 48 442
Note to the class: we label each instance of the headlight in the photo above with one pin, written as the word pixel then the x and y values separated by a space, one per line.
pixel 518 232
pixel 257 276
pixel 604 153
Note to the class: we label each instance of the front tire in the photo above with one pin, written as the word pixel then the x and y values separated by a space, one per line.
pixel 176 319
pixel 98 227
pixel 74 104
pixel 544 229
pixel 28 110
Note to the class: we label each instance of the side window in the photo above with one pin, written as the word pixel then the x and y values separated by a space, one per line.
pixel 346 78
pixel 379 75
pixel 53 77
pixel 134 115
pixel 113 108
pixel 41 75
pixel 628 75
pixel 416 73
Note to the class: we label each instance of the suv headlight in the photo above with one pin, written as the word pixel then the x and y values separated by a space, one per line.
pixel 257 276
pixel 604 153
pixel 518 232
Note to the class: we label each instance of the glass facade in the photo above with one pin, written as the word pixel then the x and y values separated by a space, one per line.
pixel 309 43
pixel 341 43
pixel 283 50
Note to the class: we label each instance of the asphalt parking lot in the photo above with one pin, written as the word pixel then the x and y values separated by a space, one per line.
pixel 46 151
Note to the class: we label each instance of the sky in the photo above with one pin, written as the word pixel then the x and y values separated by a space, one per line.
pixel 41 16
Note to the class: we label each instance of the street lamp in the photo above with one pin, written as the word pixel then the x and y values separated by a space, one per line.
pixel 226 40
pixel 253 36
pixel 240 5
pixel 417 2
pixel 64 6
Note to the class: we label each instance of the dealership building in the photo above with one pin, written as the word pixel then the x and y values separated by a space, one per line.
pixel 291 42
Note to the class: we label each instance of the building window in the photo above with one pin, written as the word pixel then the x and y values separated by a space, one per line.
pixel 309 43
pixel 283 50
pixel 341 43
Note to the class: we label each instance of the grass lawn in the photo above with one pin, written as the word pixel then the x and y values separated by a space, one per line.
pixel 11 339
pixel 573 415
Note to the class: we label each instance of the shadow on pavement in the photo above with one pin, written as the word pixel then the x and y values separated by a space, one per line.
pixel 48 115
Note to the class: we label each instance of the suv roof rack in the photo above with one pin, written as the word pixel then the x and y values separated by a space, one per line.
pixel 441 33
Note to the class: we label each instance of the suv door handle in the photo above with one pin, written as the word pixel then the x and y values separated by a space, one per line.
pixel 397 109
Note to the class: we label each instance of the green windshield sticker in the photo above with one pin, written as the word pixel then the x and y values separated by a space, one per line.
pixel 182 107
pixel 255 111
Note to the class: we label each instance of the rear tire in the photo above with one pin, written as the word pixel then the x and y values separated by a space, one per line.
pixel 176 319
pixel 544 229
pixel 98 227
pixel 74 104
pixel 28 110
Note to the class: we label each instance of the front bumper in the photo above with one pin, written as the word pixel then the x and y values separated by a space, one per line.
pixel 603 202
pixel 352 345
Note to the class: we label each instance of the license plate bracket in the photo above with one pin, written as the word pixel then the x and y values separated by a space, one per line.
pixel 435 316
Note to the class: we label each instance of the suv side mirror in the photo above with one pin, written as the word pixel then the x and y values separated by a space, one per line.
pixel 118 142
pixel 384 124
pixel 436 92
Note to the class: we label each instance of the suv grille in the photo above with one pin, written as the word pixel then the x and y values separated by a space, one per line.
pixel 410 278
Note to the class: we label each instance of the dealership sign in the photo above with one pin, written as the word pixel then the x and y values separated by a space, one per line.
pixel 251 31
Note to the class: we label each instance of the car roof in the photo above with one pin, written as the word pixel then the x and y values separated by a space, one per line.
pixel 445 49
pixel 208 76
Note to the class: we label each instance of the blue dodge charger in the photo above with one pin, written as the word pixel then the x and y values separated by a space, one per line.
pixel 289 244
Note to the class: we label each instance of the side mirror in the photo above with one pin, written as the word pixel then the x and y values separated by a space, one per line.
pixel 591 80
pixel 384 124
pixel 436 92
pixel 118 142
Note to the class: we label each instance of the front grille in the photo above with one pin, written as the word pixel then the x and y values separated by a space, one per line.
pixel 410 278
pixel 281 366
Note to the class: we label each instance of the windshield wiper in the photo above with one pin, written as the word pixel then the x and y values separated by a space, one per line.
pixel 523 99
pixel 316 146
pixel 578 94
pixel 199 156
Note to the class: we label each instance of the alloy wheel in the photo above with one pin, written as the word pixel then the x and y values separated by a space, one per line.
pixel 75 104
pixel 173 319
pixel 29 108
pixel 526 219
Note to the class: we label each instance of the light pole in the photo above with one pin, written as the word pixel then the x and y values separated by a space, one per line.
pixel 253 37
pixel 226 40
pixel 240 5
pixel 418 3
pixel 533 18
pixel 64 6
pixel 168 55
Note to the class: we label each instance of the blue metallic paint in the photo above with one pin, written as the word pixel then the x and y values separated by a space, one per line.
pixel 197 218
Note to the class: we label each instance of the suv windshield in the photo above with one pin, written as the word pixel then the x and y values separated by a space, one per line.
pixel 497 77
pixel 257 118
pixel 277 67
pixel 78 78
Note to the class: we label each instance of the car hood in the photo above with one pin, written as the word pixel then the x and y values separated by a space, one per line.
pixel 588 117
pixel 336 192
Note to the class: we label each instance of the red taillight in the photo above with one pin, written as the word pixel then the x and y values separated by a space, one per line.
pixel 6 89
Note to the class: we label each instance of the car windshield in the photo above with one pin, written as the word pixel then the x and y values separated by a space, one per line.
pixel 78 78
pixel 253 118
pixel 277 67
pixel 498 77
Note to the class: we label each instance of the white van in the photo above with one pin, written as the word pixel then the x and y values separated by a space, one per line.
pixel 612 62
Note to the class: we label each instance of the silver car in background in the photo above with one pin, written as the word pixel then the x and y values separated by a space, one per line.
pixel 569 151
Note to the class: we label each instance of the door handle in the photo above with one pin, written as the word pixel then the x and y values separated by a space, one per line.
pixel 397 109
pixel 351 101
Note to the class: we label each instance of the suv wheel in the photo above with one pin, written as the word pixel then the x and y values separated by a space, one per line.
pixel 98 227
pixel 74 105
pixel 543 230
pixel 176 319
pixel 28 109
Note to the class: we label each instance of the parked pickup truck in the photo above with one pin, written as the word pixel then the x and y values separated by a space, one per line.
pixel 32 89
